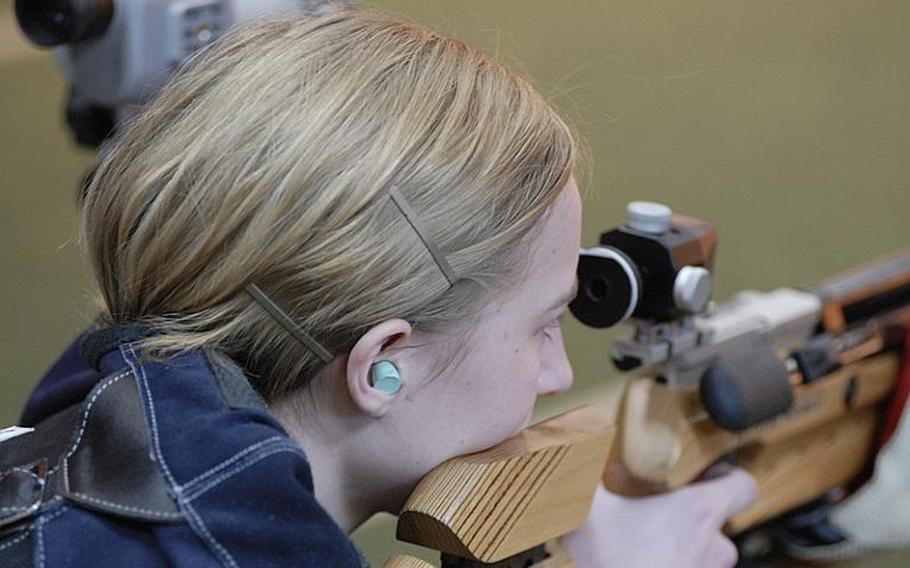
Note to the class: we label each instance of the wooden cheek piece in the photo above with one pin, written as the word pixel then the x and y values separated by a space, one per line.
pixel 526 491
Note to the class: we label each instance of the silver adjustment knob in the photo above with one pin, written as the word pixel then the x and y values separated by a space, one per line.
pixel 648 217
pixel 692 288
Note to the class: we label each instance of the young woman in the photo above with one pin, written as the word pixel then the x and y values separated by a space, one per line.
pixel 375 229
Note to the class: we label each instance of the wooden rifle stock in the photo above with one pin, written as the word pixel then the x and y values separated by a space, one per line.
pixel 823 442
pixel 511 499
pixel 492 506
pixel 826 439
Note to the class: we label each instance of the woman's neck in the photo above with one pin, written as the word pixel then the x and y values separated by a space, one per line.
pixel 349 480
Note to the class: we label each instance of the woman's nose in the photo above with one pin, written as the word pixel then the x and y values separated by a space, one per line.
pixel 555 370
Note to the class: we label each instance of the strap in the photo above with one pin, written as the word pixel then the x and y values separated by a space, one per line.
pixel 97 454
pixel 26 478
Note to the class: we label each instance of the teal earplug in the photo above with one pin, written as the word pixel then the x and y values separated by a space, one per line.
pixel 384 377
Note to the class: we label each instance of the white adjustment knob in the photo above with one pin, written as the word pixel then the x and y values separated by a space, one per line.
pixel 692 288
pixel 648 217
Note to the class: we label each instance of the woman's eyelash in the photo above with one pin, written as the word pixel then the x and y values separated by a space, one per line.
pixel 553 323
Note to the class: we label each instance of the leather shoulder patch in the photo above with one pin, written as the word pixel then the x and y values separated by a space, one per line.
pixel 109 466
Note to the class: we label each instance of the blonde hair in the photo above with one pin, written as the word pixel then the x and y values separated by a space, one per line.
pixel 270 162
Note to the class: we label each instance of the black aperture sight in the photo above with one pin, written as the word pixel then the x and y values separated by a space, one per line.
pixel 655 267
pixel 56 22
pixel 609 286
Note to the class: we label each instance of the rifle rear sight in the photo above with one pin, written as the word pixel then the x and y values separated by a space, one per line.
pixel 655 271
pixel 743 356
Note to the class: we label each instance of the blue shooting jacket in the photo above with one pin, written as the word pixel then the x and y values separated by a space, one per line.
pixel 157 462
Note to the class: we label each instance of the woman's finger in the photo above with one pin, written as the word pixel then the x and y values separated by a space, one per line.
pixel 722 553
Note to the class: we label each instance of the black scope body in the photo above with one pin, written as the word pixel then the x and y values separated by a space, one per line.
pixel 653 261
pixel 49 23
pixel 634 277
pixel 646 274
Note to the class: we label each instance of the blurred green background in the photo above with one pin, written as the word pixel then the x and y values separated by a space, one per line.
pixel 783 122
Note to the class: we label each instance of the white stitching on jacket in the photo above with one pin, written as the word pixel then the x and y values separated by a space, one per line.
pixel 133 361
pixel 217 480
pixel 39 535
pixel 85 416
pixel 202 476
pixel 128 508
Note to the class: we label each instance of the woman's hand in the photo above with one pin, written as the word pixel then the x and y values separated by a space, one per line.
pixel 681 528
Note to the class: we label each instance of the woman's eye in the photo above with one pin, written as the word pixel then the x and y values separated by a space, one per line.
pixel 552 326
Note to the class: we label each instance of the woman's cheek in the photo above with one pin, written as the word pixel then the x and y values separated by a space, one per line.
pixel 517 400
pixel 498 400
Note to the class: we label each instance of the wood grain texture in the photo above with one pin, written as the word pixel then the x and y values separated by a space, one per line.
pixel 805 467
pixel 405 561
pixel 530 489
pixel 667 440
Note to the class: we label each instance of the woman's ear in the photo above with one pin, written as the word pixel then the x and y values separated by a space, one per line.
pixel 367 352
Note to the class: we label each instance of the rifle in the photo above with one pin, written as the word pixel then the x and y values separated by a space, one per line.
pixel 790 385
